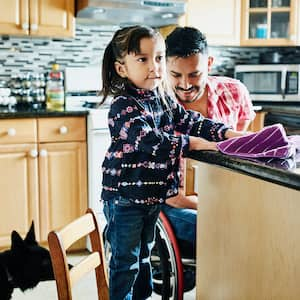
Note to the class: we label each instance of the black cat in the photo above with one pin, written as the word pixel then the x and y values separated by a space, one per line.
pixel 24 265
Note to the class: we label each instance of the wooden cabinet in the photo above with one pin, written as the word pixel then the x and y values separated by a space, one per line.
pixel 218 19
pixel 43 172
pixel 246 22
pixel 269 22
pixel 53 18
pixel 258 122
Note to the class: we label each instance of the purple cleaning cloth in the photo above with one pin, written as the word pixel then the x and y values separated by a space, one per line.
pixel 271 141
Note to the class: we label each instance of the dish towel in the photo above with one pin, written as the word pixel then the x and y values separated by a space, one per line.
pixel 271 141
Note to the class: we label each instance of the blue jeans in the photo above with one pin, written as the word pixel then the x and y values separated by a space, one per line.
pixel 184 223
pixel 130 232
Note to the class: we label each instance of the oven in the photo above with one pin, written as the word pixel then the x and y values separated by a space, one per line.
pixel 98 138
pixel 81 87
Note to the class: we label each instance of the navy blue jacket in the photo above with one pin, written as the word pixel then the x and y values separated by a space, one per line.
pixel 148 138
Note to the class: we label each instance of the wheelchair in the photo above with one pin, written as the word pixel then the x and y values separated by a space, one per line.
pixel 173 262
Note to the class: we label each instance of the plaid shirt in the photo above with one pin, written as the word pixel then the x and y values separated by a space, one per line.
pixel 142 162
pixel 228 101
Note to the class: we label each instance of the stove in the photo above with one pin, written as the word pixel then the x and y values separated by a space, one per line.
pixel 82 86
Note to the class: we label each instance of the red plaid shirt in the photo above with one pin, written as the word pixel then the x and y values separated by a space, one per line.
pixel 228 101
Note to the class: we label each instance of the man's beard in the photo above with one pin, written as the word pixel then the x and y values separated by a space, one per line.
pixel 199 93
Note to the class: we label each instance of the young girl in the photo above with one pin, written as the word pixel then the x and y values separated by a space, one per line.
pixel 140 169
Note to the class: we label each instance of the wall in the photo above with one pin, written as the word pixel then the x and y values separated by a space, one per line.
pixel 21 54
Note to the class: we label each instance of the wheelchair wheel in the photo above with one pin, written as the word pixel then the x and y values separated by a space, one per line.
pixel 166 262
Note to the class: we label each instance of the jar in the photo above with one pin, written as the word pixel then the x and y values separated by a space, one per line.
pixel 261 31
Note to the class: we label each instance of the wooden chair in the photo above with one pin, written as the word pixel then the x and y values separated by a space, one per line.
pixel 60 241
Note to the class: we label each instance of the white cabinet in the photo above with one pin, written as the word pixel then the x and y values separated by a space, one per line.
pixel 218 19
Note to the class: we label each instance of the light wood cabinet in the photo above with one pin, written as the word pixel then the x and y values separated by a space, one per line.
pixel 258 122
pixel 218 19
pixel 246 22
pixel 53 18
pixel 269 23
pixel 43 172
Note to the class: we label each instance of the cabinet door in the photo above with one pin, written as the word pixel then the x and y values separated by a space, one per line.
pixel 269 22
pixel 258 123
pixel 14 17
pixel 52 18
pixel 218 19
pixel 63 184
pixel 18 190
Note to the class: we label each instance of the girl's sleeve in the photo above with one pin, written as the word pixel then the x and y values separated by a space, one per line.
pixel 190 122
pixel 137 132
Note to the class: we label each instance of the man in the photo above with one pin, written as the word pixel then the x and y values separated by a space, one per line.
pixel 219 98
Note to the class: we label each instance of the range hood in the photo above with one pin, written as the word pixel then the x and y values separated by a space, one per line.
pixel 155 13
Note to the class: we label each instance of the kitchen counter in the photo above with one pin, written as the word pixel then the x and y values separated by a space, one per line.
pixel 283 172
pixel 248 240
pixel 6 113
pixel 288 107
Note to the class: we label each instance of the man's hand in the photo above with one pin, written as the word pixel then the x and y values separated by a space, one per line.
pixel 183 201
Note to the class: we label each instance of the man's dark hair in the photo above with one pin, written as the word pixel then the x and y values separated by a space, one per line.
pixel 185 41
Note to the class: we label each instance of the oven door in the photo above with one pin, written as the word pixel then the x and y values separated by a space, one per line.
pixel 98 143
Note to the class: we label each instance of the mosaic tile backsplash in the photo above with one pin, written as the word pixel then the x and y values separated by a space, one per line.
pixel 22 54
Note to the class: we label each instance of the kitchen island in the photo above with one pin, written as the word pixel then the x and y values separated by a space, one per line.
pixel 248 239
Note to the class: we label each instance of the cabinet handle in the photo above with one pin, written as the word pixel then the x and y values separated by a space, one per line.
pixel 11 131
pixel 25 26
pixel 63 130
pixel 43 153
pixel 33 153
pixel 33 27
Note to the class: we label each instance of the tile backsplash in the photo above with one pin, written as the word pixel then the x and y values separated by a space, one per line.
pixel 25 54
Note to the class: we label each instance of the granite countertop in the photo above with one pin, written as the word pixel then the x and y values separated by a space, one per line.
pixel 288 107
pixel 282 172
pixel 6 113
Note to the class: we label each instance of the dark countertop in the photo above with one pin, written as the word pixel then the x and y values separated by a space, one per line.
pixel 6 113
pixel 287 107
pixel 282 172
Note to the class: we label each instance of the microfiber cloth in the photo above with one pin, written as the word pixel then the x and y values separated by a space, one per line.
pixel 271 141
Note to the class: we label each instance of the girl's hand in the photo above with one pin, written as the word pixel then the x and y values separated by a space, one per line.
pixel 197 143
pixel 232 133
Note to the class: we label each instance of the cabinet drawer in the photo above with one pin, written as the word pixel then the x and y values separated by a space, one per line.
pixel 16 131
pixel 62 129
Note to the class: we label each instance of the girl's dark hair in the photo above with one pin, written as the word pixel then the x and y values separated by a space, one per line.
pixel 125 41
pixel 185 41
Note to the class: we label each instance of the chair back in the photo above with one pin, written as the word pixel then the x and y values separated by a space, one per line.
pixel 59 241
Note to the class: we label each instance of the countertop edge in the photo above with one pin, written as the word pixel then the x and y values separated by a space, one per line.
pixel 41 114
pixel 282 177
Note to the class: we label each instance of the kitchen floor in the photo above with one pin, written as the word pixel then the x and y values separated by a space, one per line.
pixel 85 289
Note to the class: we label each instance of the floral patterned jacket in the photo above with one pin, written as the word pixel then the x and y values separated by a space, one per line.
pixel 142 162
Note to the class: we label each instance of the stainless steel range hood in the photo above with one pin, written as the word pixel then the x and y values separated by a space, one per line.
pixel 155 13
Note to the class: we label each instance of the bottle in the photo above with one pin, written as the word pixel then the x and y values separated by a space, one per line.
pixel 55 89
